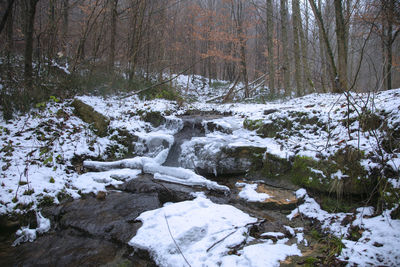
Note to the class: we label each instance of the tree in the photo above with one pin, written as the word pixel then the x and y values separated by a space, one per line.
pixel 296 46
pixel 285 63
pixel 30 8
pixel 270 48
pixel 341 40
pixel 113 31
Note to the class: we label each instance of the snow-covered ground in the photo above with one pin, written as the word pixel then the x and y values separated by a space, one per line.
pixel 37 150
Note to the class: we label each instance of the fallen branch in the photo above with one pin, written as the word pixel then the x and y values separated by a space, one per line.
pixel 176 244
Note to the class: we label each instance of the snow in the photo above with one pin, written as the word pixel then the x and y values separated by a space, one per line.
pixel 380 234
pixel 148 165
pixel 264 254
pixel 25 234
pixel 202 233
pixel 249 193
pixel 31 172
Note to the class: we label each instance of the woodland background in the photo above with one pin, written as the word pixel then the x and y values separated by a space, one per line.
pixel 65 47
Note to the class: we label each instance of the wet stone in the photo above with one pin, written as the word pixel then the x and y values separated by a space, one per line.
pixel 65 248
pixel 113 219
pixel 166 192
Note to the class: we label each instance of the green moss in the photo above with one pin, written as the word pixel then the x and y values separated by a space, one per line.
pixel 45 201
pixel 29 192
pixel 52 180
pixel 252 124
pixel 88 114
pixel 302 174
pixel 154 117
pixel 315 234
pixel 275 167
pixel 310 261
pixel 254 154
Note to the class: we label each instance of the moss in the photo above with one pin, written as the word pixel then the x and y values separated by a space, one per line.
pixel 251 153
pixel 88 114
pixel 370 121
pixel 274 166
pixel 334 204
pixel 252 124
pixel 153 117
pixel 269 129
pixel 29 192
pixel 302 174
pixel 45 201
pixel 310 261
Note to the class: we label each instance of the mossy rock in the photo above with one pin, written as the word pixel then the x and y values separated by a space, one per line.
pixel 89 115
pixel 250 153
pixel 127 140
pixel 252 124
pixel 240 160
pixel 275 167
pixel 370 122
pixel 305 172
pixel 322 175
pixel 154 118
pixel 267 129
pixel 391 141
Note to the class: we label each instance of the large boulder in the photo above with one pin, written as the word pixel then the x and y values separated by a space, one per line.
pixel 113 219
pixel 219 158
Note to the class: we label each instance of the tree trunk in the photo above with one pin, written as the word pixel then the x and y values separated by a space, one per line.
pixel 285 63
pixel 7 13
pixel 65 20
pixel 296 46
pixel 10 43
pixel 389 7
pixel 304 51
pixel 327 45
pixel 113 30
pixel 341 46
pixel 52 31
pixel 322 55
pixel 270 48
pixel 29 27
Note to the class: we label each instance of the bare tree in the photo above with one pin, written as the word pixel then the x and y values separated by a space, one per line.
pixel 270 48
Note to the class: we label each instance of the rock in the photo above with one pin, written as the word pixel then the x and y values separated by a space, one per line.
pixel 222 159
pixel 154 118
pixel 370 122
pixel 112 219
pixel 341 174
pixel 101 195
pixel 270 111
pixel 166 192
pixel 89 115
pixel 212 127
pixel 65 248
pixel 279 198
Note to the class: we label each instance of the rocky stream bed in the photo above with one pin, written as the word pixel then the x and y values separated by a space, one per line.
pixel 199 187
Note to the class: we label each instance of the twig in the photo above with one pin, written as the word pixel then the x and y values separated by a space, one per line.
pixel 176 244
pixel 219 241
